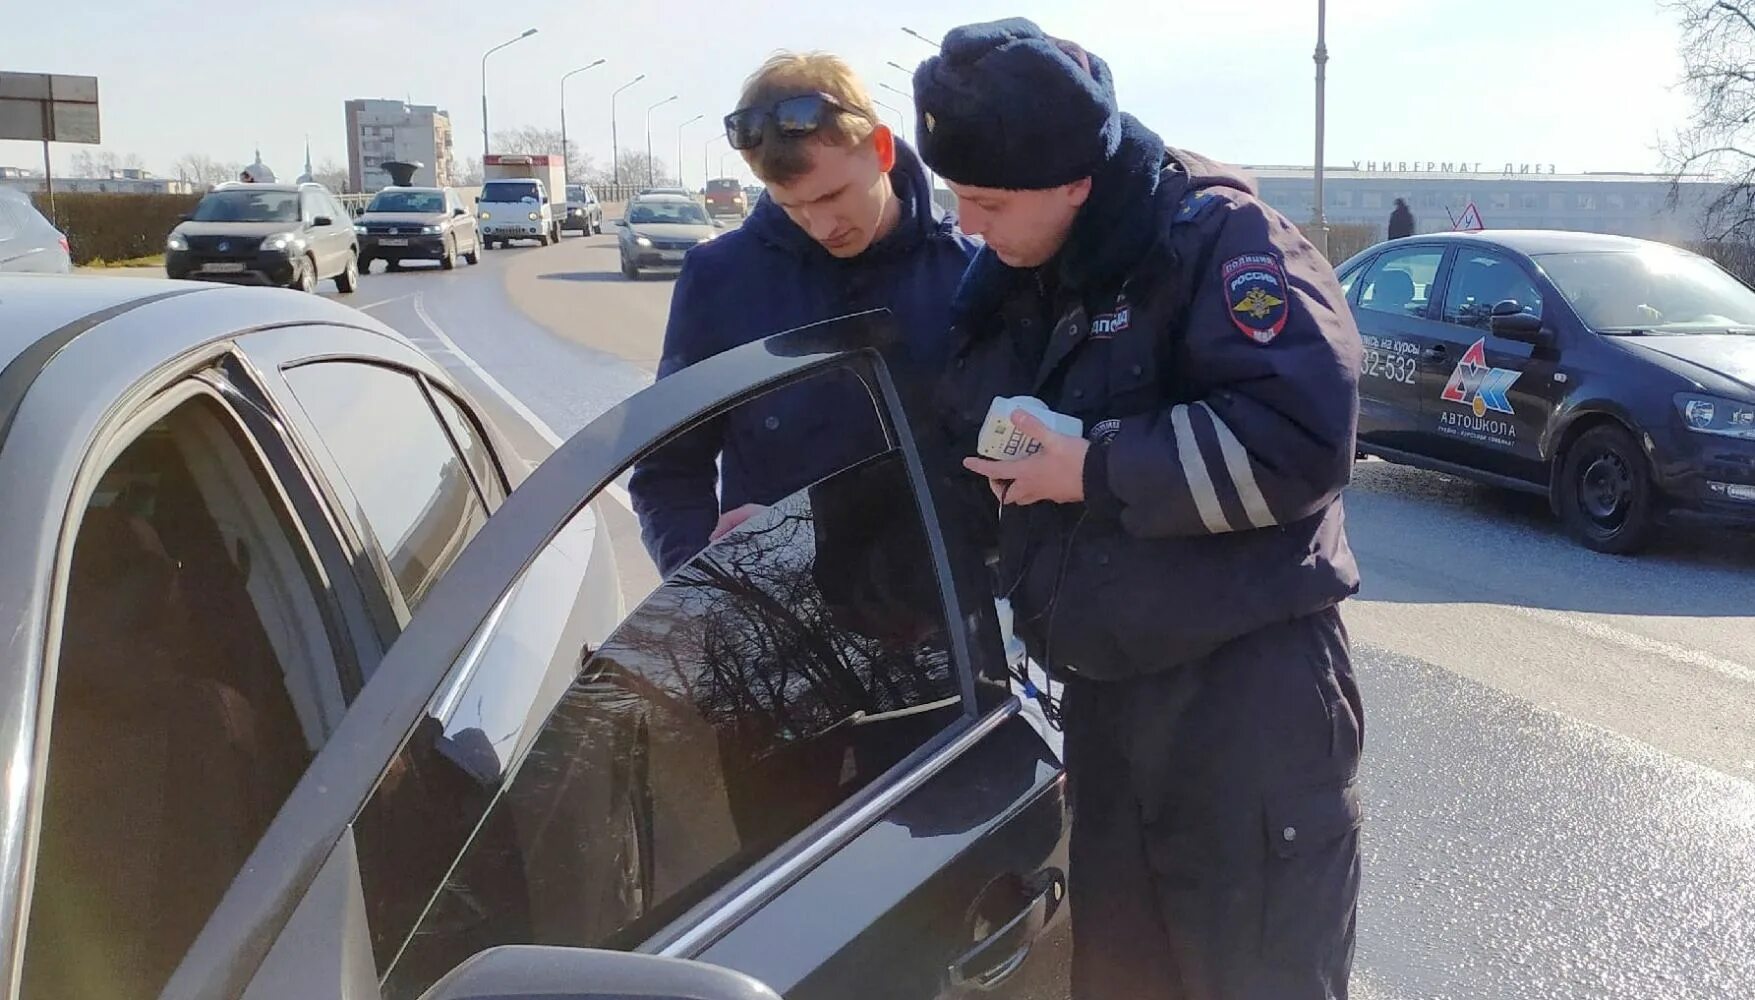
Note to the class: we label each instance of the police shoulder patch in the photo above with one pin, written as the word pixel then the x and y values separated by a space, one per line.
pixel 1194 204
pixel 1255 294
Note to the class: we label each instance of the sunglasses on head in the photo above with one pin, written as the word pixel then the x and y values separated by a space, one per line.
pixel 793 117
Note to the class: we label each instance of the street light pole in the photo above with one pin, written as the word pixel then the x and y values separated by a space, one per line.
pixel 1319 229
pixel 720 137
pixel 484 105
pixel 900 116
pixel 566 161
pixel 649 178
pixel 911 33
pixel 905 70
pixel 679 153
pixel 615 139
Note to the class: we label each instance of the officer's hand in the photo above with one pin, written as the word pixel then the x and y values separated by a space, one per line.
pixel 1056 473
pixel 732 518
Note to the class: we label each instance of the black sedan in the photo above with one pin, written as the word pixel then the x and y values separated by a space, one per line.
pixel 410 223
pixel 315 689
pixel 1613 375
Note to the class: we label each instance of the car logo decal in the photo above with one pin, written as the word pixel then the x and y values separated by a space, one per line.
pixel 1478 386
pixel 224 246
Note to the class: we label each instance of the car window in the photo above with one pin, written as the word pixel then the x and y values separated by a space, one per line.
pixel 780 671
pixel 245 205
pixel 11 220
pixel 1400 281
pixel 1349 279
pixel 1479 281
pixel 311 206
pixel 194 683
pixel 471 441
pixel 393 452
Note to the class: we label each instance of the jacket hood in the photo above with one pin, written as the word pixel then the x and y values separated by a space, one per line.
pixel 920 217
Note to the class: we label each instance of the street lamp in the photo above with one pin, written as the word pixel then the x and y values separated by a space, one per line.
pixel 1319 228
pixel 897 65
pixel 911 33
pixel 566 161
pixel 650 180
pixel 893 110
pixel 484 107
pixel 679 155
pixel 718 137
pixel 615 140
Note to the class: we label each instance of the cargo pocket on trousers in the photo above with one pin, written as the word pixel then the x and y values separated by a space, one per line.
pixel 1311 882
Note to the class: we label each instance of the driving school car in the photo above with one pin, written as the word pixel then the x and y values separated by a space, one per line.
pixel 1614 376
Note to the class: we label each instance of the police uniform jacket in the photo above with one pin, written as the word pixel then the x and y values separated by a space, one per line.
pixel 1209 353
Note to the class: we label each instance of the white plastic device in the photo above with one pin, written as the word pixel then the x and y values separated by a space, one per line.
pixel 1003 442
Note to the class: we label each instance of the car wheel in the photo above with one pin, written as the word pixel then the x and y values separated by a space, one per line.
pixel 543 240
pixel 305 276
pixel 366 264
pixel 449 261
pixel 1605 492
pixel 629 271
pixel 348 281
pixel 474 254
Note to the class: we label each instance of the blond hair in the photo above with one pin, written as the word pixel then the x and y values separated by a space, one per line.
pixel 779 159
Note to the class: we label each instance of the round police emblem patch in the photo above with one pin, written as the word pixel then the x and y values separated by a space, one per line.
pixel 1255 295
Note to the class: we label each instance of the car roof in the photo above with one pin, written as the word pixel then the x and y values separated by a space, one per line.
pixel 252 186
pixel 1532 242
pixel 37 307
pixel 665 199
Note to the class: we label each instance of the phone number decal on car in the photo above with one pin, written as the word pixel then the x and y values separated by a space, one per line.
pixel 1390 366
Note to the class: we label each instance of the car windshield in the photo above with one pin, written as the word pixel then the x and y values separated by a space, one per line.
pixel 1651 291
pixel 504 191
pixel 731 186
pixel 575 193
pixel 421 202
pixel 685 212
pixel 248 206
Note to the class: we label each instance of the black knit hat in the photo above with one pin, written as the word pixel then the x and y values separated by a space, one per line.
pixel 1004 106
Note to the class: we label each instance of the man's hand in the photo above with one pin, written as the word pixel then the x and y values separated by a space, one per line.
pixel 732 518
pixel 1056 473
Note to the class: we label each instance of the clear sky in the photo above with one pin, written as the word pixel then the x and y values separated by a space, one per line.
pixel 1581 84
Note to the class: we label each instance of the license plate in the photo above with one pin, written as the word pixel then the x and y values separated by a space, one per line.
pixel 672 256
pixel 393 243
pixel 223 267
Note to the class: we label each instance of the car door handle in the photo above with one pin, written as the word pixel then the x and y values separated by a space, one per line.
pixel 1435 354
pixel 994 960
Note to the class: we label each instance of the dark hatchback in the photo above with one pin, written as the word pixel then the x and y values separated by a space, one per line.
pixel 290 235
pixel 1615 376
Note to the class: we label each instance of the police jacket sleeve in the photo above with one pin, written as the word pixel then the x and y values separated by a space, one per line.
pixel 674 489
pixel 1262 431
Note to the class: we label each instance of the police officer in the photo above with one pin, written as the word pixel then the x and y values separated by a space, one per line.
pixel 1180 564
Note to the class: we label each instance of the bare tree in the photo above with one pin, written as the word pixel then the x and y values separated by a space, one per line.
pixel 331 175
pixel 102 163
pixel 1718 57
pixel 204 171
pixel 634 170
pixel 470 174
pixel 530 139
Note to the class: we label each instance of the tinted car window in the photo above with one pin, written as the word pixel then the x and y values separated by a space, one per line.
pixel 247 206
pixel 471 442
pixel 423 202
pixel 1481 280
pixel 1400 281
pixel 786 667
pixel 11 220
pixel 511 191
pixel 194 684
pixel 392 449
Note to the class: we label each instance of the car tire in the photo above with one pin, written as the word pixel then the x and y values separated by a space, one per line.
pixel 366 264
pixel 392 265
pixel 629 271
pixel 474 254
pixel 348 281
pixel 543 240
pixel 1605 493
pixel 448 262
pixel 305 276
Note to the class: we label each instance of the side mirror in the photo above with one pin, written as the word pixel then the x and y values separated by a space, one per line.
pixel 1512 323
pixel 718 223
pixel 459 212
pixel 321 221
pixel 185 217
pixel 542 972
pixel 620 223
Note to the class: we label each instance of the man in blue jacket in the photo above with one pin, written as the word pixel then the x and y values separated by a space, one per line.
pixel 1179 564
pixel 847 225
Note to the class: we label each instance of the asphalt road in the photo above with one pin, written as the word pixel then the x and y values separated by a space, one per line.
pixel 1560 765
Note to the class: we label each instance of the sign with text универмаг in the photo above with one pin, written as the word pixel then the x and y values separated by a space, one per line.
pixel 49 107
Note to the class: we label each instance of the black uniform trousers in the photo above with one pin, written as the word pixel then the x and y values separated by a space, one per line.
pixel 1215 840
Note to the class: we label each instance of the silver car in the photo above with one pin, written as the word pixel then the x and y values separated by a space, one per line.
pixel 28 243
pixel 302 699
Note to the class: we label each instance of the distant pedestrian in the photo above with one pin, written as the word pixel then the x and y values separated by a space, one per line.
pixel 1401 221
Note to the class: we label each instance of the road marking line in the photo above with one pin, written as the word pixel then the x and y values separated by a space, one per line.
pixel 494 385
pixel 1641 643
pixel 385 302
